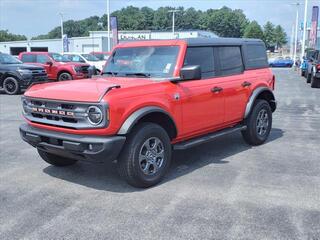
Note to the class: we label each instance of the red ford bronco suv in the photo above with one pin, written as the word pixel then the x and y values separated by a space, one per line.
pixel 153 97
pixel 58 67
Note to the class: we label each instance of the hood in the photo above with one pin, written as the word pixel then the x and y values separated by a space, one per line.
pixel 87 90
pixel 23 66
pixel 73 64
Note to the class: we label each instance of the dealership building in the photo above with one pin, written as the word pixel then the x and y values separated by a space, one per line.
pixel 96 41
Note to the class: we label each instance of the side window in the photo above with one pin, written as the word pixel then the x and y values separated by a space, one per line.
pixel 42 59
pixel 230 60
pixel 28 58
pixel 202 56
pixel 256 56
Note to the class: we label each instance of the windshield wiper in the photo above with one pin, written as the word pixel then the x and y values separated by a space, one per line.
pixel 110 73
pixel 139 74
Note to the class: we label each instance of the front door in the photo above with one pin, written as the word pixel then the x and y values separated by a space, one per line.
pixel 202 100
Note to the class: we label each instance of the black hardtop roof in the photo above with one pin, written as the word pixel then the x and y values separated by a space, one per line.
pixel 221 41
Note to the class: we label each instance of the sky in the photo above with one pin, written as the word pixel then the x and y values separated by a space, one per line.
pixel 34 17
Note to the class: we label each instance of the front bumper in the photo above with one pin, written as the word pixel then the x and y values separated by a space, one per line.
pixel 79 147
pixel 26 81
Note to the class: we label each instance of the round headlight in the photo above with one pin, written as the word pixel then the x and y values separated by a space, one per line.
pixel 95 115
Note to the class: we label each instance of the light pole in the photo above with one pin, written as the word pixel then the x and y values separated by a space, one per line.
pixel 296 32
pixel 108 22
pixel 304 28
pixel 173 19
pixel 61 23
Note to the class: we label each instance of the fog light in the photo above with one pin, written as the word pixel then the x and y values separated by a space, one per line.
pixel 95 115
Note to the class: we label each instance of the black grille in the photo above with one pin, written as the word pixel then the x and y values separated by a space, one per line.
pixel 85 69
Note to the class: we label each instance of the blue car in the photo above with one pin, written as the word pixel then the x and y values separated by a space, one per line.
pixel 281 62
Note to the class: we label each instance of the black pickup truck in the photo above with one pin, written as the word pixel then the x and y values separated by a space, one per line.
pixel 16 76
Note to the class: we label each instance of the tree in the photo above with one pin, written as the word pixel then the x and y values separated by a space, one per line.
pixel 253 30
pixel 226 22
pixel 280 36
pixel 162 19
pixel 148 15
pixel 269 34
pixel 6 36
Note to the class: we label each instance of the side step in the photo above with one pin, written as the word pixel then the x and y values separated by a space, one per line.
pixel 207 138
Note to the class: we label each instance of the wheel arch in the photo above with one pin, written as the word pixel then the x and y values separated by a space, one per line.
pixel 7 74
pixel 261 93
pixel 150 114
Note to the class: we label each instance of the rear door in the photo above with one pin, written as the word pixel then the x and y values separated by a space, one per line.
pixel 202 108
pixel 236 87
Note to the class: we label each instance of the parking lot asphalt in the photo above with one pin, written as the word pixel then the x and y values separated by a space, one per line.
pixel 221 190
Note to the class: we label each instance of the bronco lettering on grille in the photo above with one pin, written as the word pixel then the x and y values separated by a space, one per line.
pixel 52 111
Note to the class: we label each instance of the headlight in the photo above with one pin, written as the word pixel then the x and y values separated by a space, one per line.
pixel 95 115
pixel 24 71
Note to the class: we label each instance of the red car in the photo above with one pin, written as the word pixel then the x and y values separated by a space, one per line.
pixel 57 67
pixel 153 97
pixel 101 55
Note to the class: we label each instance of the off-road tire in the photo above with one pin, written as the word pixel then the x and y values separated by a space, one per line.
pixel 315 82
pixel 11 86
pixel 56 160
pixel 129 162
pixel 309 77
pixel 251 135
pixel 64 76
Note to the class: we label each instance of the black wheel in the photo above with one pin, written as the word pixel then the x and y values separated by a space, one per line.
pixel 11 86
pixel 64 76
pixel 146 155
pixel 315 82
pixel 258 123
pixel 56 160
pixel 308 77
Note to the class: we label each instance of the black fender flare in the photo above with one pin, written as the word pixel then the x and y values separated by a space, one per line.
pixel 137 115
pixel 254 96
pixel 9 74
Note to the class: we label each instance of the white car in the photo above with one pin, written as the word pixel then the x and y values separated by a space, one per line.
pixel 86 58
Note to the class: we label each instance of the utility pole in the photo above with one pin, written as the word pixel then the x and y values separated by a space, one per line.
pixel 173 20
pixel 108 15
pixel 61 24
pixel 304 28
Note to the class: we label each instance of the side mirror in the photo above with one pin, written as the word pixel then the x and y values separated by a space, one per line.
pixel 49 63
pixel 191 72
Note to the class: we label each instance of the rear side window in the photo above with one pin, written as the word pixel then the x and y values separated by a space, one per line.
pixel 256 56
pixel 230 60
pixel 28 58
pixel 202 56
pixel 42 59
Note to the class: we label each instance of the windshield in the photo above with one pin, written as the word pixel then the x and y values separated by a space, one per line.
pixel 143 62
pixel 101 56
pixel 8 59
pixel 90 57
pixel 58 57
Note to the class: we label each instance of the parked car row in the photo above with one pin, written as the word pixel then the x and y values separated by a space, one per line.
pixel 310 68
pixel 18 73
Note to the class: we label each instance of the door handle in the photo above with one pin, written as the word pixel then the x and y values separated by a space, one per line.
pixel 216 89
pixel 246 84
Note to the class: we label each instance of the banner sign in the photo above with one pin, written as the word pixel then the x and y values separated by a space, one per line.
pixel 65 43
pixel 114 29
pixel 314 26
